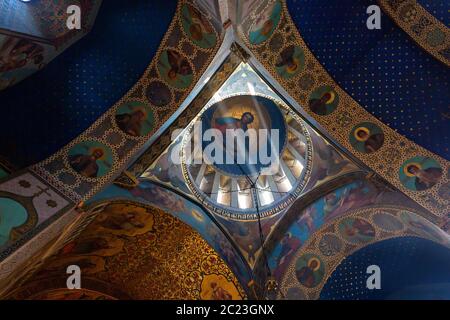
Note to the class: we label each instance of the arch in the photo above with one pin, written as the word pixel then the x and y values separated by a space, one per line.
pixel 424 29
pixel 344 112
pixel 150 194
pixel 329 246
pixel 410 268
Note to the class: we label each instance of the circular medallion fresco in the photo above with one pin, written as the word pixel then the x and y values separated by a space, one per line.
pixel 12 215
pixel 175 69
pixel 309 270
pixel 90 159
pixel 290 62
pixel 246 153
pixel 356 230
pixel 158 94
pixel 265 23
pixel 323 101
pixel 420 173
pixel 134 118
pixel 197 27
pixel 366 137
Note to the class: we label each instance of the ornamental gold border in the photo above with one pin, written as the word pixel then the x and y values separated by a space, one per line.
pixel 331 262
pixel 418 23
pixel 191 111
pixel 233 213
pixel 80 188
pixel 396 149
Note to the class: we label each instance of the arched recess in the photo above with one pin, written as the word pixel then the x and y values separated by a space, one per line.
pixel 311 265
pixel 131 251
pixel 181 207
pixel 411 268
pixel 71 92
pixel 426 30
pixel 57 185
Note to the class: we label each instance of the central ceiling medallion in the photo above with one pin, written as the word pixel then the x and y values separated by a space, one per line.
pixel 245 155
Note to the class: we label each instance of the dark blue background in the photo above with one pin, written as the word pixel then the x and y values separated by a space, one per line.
pixel 49 109
pixel 384 70
pixel 411 268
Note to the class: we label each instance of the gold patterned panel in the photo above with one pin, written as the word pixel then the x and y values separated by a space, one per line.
pixel 68 294
pixel 142 253
pixel 288 59
pixel 198 103
pixel 317 259
pixel 427 31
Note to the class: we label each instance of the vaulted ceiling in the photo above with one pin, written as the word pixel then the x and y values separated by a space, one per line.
pixel 345 200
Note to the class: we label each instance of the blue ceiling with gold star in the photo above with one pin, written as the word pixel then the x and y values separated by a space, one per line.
pixel 384 70
pixel 83 82
pixel 406 89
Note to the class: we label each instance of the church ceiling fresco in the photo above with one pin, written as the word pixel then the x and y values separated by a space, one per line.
pixel 145 252
pixel 214 83
pixel 301 222
pixel 100 70
pixel 173 73
pixel 98 155
pixel 45 20
pixel 401 282
pixel 392 159
pixel 387 72
pixel 436 9
pixel 142 224
pixel 310 266
pixel 33 34
pixel 320 162
pixel 20 58
pixel 38 206
pixel 421 26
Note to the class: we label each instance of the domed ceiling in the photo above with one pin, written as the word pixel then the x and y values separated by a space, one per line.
pixel 233 187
